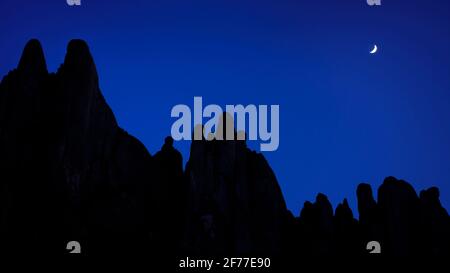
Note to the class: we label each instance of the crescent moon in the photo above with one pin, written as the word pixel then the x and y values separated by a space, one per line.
pixel 374 50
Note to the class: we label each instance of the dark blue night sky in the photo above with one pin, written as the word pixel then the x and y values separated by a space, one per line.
pixel 346 116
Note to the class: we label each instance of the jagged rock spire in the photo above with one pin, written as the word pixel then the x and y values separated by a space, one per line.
pixel 33 60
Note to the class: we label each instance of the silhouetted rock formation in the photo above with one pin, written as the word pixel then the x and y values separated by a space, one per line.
pixel 435 223
pixel 399 210
pixel 369 215
pixel 235 204
pixel 69 172
pixel 318 220
pixel 346 230
pixel 167 199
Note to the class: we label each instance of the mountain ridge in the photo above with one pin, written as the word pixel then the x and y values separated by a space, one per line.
pixel 87 179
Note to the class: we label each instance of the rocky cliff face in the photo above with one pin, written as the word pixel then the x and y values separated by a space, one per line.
pixel 67 169
pixel 69 172
pixel 235 204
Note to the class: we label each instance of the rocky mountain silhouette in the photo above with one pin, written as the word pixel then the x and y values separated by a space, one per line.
pixel 69 172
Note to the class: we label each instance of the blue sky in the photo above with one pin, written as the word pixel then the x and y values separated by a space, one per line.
pixel 345 116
